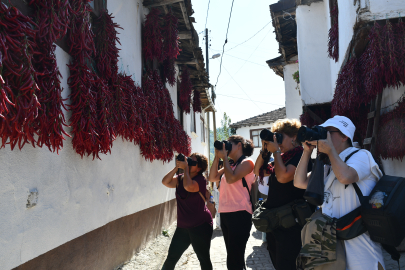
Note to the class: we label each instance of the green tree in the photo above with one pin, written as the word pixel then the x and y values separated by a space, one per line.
pixel 223 133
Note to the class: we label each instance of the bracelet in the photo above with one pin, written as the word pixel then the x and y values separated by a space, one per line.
pixel 278 151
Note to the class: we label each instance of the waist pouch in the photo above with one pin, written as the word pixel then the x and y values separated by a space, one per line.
pixel 350 225
pixel 267 220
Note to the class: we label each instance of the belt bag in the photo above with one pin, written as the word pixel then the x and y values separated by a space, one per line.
pixel 350 225
pixel 286 216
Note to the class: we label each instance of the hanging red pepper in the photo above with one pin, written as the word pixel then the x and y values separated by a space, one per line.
pixel 333 35
pixel 53 20
pixel 186 88
pixel 152 42
pixel 19 104
pixel 196 101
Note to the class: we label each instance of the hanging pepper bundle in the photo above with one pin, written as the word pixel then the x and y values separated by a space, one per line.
pixel 19 104
pixel 196 101
pixel 186 88
pixel 149 141
pixel 82 80
pixel 308 121
pixel 106 39
pixel 390 49
pixel 170 46
pixel 391 134
pixel 105 131
pixel 169 71
pixel 53 20
pixel 152 37
pixel 333 35
pixel 136 111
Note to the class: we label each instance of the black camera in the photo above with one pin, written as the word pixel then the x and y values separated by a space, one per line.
pixel 267 135
pixel 311 134
pixel 218 145
pixel 190 161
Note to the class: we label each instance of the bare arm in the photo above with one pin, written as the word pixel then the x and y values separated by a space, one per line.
pixel 241 171
pixel 260 161
pixel 284 174
pixel 215 174
pixel 169 180
pixel 189 184
pixel 344 173
pixel 301 176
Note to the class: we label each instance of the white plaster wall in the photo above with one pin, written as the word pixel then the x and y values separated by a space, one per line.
pixel 293 102
pixel 78 195
pixel 245 133
pixel 314 66
pixel 382 9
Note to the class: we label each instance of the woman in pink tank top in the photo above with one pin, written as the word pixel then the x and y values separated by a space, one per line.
pixel 235 207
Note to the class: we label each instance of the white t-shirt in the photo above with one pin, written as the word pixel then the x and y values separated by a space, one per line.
pixel 361 252
pixel 264 189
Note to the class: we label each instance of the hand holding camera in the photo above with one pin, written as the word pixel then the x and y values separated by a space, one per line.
pixel 315 137
pixel 222 149
pixel 182 164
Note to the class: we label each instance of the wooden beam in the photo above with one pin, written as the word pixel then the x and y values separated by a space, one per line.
pixel 158 3
pixel 185 35
pixel 215 126
pixel 185 16
pixel 165 9
pixel 315 116
pixel 192 62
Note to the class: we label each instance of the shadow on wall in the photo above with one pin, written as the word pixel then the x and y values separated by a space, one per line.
pixel 110 245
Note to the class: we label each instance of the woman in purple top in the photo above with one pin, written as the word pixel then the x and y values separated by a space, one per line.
pixel 194 221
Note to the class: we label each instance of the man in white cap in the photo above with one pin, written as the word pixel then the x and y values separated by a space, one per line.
pixel 340 197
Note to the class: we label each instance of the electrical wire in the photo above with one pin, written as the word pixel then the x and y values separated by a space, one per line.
pixel 226 41
pixel 242 89
pixel 250 55
pixel 252 100
pixel 246 60
pixel 206 18
pixel 249 38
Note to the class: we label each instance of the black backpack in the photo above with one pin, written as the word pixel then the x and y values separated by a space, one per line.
pixel 383 211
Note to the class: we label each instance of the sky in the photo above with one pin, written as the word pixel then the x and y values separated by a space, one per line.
pixel 246 86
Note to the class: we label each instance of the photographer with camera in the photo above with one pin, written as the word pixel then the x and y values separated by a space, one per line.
pixel 349 169
pixel 194 221
pixel 235 206
pixel 283 240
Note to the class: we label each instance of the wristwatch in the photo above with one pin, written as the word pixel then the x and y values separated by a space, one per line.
pixel 278 151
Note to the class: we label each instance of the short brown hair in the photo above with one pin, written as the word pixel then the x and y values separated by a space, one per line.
pixel 247 145
pixel 202 161
pixel 289 127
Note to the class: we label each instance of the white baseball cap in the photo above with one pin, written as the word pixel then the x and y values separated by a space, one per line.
pixel 344 124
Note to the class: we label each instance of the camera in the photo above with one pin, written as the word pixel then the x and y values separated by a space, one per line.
pixel 218 145
pixel 311 134
pixel 190 161
pixel 267 135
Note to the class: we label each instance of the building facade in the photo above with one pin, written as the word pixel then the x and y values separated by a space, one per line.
pixel 61 211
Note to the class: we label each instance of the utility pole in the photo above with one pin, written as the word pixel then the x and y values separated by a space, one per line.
pixel 206 49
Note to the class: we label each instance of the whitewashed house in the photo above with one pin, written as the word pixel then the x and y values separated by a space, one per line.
pixel 250 128
pixel 59 211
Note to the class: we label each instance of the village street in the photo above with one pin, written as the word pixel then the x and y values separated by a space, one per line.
pixel 257 257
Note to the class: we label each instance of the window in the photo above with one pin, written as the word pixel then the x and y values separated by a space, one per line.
pixel 98 6
pixel 192 126
pixel 202 129
pixel 255 137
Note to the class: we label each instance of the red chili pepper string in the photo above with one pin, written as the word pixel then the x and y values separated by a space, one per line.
pixel 333 35
pixel 196 101
pixel 53 20
pixel 152 36
pixel 19 104
pixel 84 84
pixel 186 88
pixel 169 71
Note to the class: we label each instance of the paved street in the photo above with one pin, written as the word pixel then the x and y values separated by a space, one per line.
pixel 257 257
